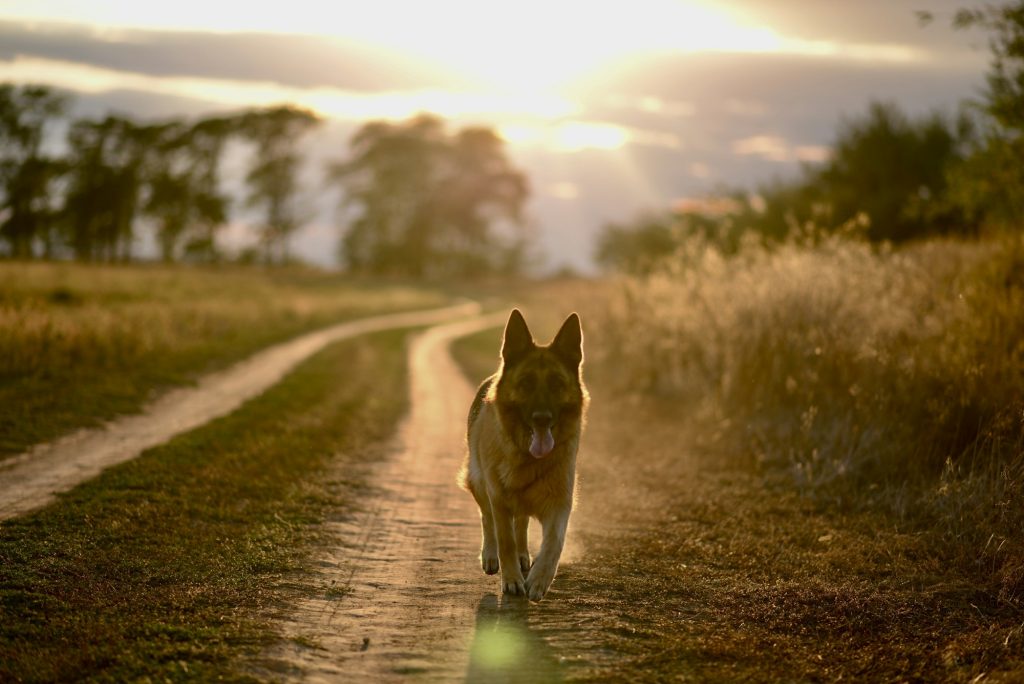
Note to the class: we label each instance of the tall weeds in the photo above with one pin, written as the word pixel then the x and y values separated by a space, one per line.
pixel 871 378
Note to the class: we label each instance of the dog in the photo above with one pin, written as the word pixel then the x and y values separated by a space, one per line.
pixel 523 433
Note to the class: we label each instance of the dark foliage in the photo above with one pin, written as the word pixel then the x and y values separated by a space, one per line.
pixel 426 201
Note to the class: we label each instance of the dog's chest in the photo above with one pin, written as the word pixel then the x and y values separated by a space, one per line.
pixel 534 487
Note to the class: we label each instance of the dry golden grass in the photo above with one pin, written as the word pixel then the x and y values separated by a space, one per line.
pixel 877 380
pixel 82 343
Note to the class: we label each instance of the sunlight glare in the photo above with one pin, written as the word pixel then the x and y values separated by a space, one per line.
pixel 567 136
pixel 532 46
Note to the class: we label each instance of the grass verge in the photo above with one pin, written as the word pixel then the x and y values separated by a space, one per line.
pixel 159 568
pixel 80 344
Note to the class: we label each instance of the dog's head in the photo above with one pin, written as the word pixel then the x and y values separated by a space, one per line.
pixel 540 394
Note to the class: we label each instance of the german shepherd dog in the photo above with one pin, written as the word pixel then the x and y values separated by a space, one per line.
pixel 524 430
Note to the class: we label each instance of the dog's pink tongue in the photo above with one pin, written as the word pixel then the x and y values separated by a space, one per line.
pixel 541 444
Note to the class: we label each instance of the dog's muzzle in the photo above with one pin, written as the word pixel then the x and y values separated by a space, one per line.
pixel 542 442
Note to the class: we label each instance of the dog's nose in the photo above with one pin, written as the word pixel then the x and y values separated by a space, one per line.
pixel 541 418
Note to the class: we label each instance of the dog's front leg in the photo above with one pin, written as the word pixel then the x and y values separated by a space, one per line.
pixel 522 526
pixel 546 563
pixel 511 576
pixel 489 546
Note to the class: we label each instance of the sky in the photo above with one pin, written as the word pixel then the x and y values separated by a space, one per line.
pixel 611 109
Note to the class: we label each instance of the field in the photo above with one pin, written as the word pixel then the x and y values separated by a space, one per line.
pixel 813 452
pixel 80 344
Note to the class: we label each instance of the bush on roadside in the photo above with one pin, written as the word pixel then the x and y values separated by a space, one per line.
pixel 873 377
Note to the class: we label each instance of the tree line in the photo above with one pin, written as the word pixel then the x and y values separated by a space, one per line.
pixel 890 178
pixel 418 200
pixel 116 171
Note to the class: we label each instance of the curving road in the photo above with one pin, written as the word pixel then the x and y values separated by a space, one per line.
pixel 33 479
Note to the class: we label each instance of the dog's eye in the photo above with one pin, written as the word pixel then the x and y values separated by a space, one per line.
pixel 555 383
pixel 526 383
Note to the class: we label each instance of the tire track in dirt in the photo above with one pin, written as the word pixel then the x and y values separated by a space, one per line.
pixel 33 479
pixel 401 594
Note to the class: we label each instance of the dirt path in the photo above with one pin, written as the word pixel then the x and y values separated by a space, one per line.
pixel 33 479
pixel 403 593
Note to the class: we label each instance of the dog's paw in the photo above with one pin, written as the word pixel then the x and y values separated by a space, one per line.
pixel 524 562
pixel 538 583
pixel 535 591
pixel 489 564
pixel 513 586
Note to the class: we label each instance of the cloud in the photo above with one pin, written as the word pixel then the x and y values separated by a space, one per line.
pixel 777 149
pixel 699 170
pixel 745 108
pixel 564 190
pixel 575 135
pixel 770 147
pixel 891 22
pixel 655 139
pixel 651 104
pixel 782 86
pixel 299 61
pixel 338 103
pixel 812 153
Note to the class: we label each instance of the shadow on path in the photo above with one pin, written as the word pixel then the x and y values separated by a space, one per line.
pixel 505 649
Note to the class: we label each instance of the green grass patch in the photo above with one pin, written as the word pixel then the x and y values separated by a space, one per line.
pixel 160 567
pixel 80 344
pixel 478 354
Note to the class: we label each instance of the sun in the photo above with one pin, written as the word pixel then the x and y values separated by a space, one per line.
pixel 542 46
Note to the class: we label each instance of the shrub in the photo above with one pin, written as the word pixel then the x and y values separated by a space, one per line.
pixel 871 377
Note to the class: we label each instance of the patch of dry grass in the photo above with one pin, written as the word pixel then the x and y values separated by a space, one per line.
pixel 889 381
pixel 82 343
pixel 696 570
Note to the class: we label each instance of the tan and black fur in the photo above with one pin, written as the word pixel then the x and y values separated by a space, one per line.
pixel 524 431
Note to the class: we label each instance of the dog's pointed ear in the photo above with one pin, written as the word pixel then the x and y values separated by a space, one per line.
pixel 568 343
pixel 518 341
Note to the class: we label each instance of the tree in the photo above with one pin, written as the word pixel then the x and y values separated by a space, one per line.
pixel 183 187
pixel 107 161
pixel 427 203
pixel 989 185
pixel 885 180
pixel 272 178
pixel 26 174
pixel 639 247
pixel 894 171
